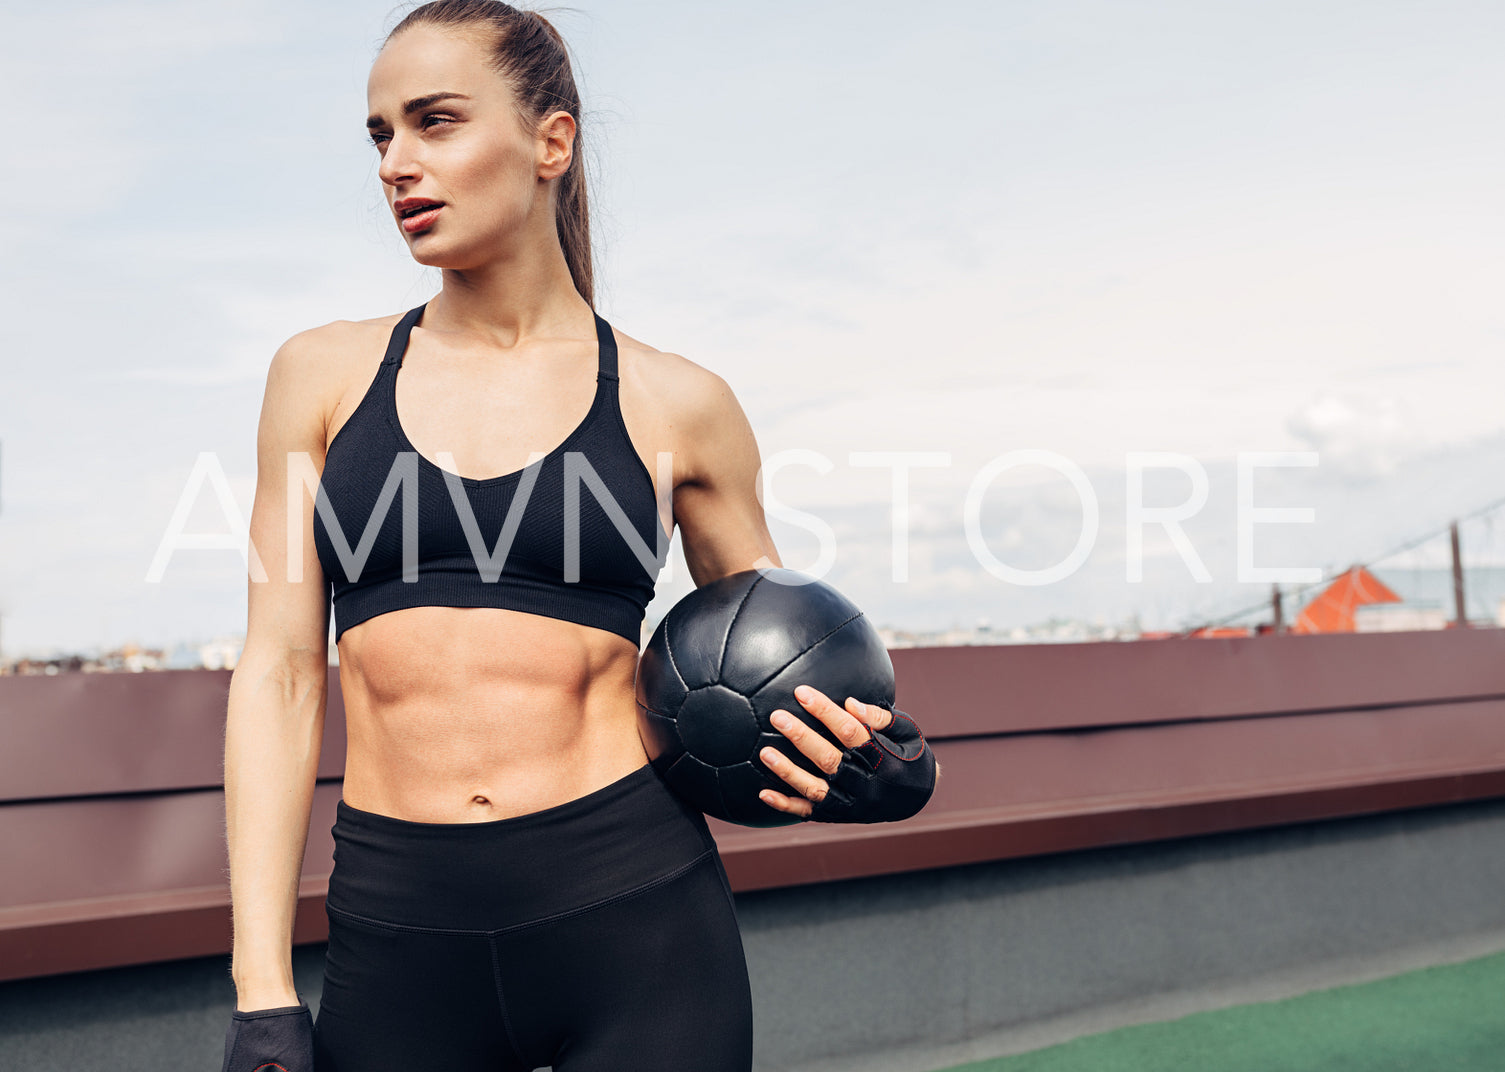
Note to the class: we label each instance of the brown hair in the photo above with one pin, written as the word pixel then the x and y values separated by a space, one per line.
pixel 531 55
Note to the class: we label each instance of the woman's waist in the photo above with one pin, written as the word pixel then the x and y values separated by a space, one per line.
pixel 434 783
pixel 519 870
pixel 500 718
pixel 449 759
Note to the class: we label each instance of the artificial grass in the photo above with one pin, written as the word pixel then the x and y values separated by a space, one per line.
pixel 1450 1017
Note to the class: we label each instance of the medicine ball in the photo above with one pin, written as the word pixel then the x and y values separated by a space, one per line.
pixel 727 656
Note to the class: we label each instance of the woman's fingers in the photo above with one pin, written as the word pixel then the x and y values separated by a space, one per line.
pixel 850 730
pixel 876 717
pixel 849 725
pixel 809 786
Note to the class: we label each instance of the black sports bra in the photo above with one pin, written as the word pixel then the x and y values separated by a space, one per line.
pixel 574 535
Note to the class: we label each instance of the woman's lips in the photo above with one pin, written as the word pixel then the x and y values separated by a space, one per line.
pixel 422 221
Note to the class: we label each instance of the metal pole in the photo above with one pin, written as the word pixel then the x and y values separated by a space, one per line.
pixel 1460 613
pixel 1279 611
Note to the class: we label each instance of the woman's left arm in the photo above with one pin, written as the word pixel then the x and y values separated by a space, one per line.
pixel 717 499
pixel 885 771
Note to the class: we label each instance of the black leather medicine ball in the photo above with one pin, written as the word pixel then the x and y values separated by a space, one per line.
pixel 727 656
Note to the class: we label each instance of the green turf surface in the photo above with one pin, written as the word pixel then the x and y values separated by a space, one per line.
pixel 1450 1017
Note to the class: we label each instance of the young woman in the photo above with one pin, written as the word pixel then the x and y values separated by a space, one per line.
pixel 514 887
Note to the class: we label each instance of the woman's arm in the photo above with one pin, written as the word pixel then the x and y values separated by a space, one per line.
pixel 718 509
pixel 275 721
pixel 717 498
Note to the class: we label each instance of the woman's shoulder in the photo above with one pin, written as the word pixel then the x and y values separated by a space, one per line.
pixel 314 371
pixel 338 340
pixel 325 358
pixel 693 412
pixel 667 376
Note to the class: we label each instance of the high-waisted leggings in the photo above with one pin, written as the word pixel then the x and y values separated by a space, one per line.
pixel 596 936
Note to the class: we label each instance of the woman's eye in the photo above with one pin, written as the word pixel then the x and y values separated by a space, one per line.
pixel 378 139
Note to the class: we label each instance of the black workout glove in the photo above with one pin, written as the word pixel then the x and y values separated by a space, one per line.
pixel 882 780
pixel 271 1040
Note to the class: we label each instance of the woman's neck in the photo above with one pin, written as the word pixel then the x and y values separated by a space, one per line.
pixel 527 293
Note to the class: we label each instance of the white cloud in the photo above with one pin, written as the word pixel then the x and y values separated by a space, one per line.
pixel 1365 435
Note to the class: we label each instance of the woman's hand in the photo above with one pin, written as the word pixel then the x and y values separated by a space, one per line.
pixel 264 1039
pixel 850 726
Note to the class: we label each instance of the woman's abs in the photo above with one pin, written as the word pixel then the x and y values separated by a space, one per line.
pixel 457 715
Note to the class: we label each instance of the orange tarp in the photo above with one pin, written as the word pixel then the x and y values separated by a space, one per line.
pixel 1332 610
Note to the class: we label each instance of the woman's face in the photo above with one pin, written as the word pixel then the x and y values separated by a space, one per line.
pixel 447 131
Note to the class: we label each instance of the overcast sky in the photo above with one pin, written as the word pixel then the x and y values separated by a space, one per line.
pixel 1091 228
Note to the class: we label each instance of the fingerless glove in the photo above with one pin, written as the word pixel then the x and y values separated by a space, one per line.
pixel 270 1040
pixel 885 779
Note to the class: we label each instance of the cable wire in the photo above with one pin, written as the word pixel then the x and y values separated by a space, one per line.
pixel 1330 575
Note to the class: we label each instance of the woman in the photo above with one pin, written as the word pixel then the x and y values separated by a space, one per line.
pixel 514 887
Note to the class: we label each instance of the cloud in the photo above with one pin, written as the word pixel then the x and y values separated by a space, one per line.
pixel 1361 435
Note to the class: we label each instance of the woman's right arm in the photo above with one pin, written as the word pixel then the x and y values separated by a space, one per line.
pixel 275 720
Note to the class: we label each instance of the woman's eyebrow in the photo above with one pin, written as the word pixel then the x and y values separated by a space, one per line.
pixel 416 103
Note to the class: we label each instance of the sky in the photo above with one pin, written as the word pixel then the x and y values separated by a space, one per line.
pixel 1093 229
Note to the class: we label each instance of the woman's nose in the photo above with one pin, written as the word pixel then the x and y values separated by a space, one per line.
pixel 398 163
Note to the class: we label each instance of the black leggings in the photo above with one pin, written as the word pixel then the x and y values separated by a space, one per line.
pixel 596 936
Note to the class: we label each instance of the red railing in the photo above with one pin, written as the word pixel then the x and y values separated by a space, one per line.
pixel 112 817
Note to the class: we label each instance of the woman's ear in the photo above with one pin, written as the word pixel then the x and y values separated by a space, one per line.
pixel 556 145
